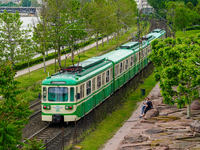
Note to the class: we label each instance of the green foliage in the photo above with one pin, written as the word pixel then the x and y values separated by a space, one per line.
pixel 15 42
pixel 193 28
pixel 26 3
pixel 34 3
pixel 179 60
pixel 190 5
pixel 33 145
pixel 157 4
pixel 10 4
pixel 13 112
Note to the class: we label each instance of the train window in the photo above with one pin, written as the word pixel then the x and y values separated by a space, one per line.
pixel 88 87
pixel 93 84
pixel 71 94
pixel 126 67
pixel 132 61
pixel 121 67
pixel 58 94
pixel 137 57
pixel 82 91
pixel 107 76
pixel 103 78
pixel 98 81
pixel 44 93
pixel 111 73
pixel 116 70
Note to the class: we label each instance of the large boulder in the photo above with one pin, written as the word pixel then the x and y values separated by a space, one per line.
pixel 195 105
pixel 157 101
pixel 195 126
pixel 151 113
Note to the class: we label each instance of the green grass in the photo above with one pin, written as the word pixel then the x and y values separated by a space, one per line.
pixel 108 127
pixel 187 33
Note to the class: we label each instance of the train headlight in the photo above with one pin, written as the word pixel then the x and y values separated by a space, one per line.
pixel 68 107
pixel 48 107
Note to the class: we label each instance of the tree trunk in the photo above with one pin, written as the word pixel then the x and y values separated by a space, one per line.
pixel 44 59
pixel 97 42
pixel 59 58
pixel 118 35
pixel 29 69
pixel 188 112
pixel 72 48
pixel 102 41
pixel 107 39
pixel 44 63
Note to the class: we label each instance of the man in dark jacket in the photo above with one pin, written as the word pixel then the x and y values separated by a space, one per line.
pixel 149 106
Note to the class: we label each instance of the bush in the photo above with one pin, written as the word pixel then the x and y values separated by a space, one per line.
pixel 197 27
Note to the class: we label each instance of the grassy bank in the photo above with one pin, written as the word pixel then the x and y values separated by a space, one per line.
pixel 187 33
pixel 96 139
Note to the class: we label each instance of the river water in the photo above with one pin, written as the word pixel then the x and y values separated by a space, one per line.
pixel 28 20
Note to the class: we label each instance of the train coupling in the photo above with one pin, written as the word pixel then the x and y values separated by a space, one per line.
pixel 56 118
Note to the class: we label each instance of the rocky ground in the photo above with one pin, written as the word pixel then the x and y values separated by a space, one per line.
pixel 164 128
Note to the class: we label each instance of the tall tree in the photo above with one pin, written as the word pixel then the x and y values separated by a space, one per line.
pixel 41 33
pixel 13 112
pixel 75 29
pixel 94 17
pixel 179 67
pixel 157 4
pixel 190 5
pixel 34 3
pixel 59 19
pixel 12 37
pixel 26 3
pixel 181 16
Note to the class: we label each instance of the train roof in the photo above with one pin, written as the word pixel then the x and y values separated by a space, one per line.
pixel 129 45
pixel 157 31
pixel 74 78
pixel 118 55
pixel 90 67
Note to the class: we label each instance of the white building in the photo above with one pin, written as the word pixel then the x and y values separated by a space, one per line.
pixel 143 5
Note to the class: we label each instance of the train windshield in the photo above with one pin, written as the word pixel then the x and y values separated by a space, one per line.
pixel 58 94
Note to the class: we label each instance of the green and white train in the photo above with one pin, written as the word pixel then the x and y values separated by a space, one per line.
pixel 76 90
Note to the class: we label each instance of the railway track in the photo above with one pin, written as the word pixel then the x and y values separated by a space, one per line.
pixel 36 107
pixel 52 134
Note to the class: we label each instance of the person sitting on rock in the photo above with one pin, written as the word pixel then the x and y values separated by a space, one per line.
pixel 143 107
pixel 149 106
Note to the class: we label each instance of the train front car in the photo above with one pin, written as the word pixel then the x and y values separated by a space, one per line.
pixel 74 92
pixel 58 98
